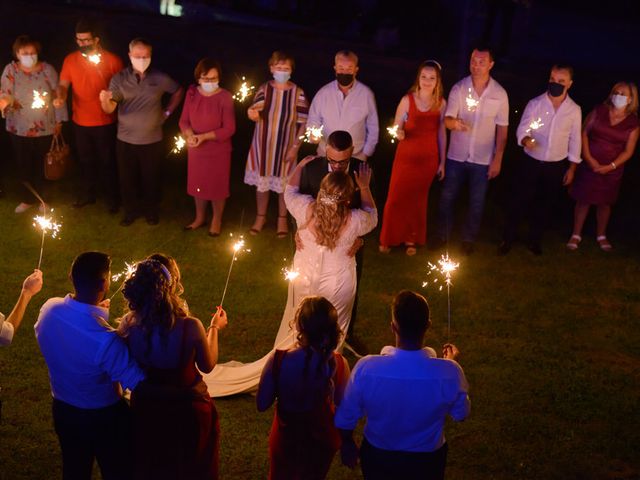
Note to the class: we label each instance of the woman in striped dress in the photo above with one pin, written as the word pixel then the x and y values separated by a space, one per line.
pixel 280 111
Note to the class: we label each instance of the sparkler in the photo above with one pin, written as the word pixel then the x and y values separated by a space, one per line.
pixel 94 58
pixel 244 91
pixel 535 125
pixel 444 269
pixel 179 143
pixel 46 225
pixel 312 134
pixel 129 269
pixel 38 100
pixel 290 273
pixel 238 247
pixel 393 131
pixel 472 103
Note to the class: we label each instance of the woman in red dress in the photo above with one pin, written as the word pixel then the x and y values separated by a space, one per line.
pixel 308 381
pixel 420 154
pixel 609 139
pixel 176 427
pixel 208 122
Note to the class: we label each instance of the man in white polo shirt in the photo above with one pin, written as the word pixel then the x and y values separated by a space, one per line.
pixel 478 116
pixel 31 285
pixel 88 364
pixel 550 132
pixel 406 393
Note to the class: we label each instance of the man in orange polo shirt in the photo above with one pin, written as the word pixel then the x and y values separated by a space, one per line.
pixel 88 71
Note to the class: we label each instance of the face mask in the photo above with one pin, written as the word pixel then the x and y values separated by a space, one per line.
pixel 28 61
pixel 555 89
pixel 345 79
pixel 619 101
pixel 209 87
pixel 281 77
pixel 140 64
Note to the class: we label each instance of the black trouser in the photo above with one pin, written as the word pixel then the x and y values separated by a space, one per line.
pixel 378 464
pixel 101 433
pixel 29 153
pixel 139 168
pixel 96 155
pixel 535 191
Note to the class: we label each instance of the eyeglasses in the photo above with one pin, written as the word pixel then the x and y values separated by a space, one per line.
pixel 337 163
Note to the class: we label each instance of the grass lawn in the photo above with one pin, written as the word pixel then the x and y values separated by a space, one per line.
pixel 549 344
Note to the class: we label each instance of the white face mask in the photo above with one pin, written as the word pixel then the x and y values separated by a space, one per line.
pixel 281 77
pixel 140 64
pixel 619 101
pixel 28 61
pixel 209 87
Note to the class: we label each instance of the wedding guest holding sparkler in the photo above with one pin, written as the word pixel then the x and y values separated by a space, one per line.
pixel 420 154
pixel 207 123
pixel 549 131
pixel 346 104
pixel 308 382
pixel 9 325
pixel 88 71
pixel 88 363
pixel 609 140
pixel 27 89
pixel 406 393
pixel 176 427
pixel 478 116
pixel 137 92
pixel 280 110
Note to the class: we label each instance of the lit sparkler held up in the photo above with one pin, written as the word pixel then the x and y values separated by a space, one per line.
pixel 39 100
pixel 472 103
pixel 393 132
pixel 442 276
pixel 238 247
pixel 244 91
pixel 178 144
pixel 129 269
pixel 533 126
pixel 312 134
pixel 94 58
pixel 46 225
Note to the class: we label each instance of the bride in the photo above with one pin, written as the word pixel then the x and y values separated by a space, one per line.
pixel 327 229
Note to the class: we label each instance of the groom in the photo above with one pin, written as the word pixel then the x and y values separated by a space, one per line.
pixel 338 158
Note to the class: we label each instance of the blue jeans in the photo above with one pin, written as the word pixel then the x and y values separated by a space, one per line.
pixel 456 174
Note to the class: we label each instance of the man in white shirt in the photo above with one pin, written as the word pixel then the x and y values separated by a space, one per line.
pixel 346 104
pixel 406 393
pixel 8 326
pixel 478 116
pixel 550 132
pixel 88 364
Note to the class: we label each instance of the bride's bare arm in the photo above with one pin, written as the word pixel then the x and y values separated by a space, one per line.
pixel 294 179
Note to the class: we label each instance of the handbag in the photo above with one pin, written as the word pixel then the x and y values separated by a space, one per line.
pixel 58 158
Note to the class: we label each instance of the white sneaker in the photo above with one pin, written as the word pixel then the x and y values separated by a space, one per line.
pixel 23 207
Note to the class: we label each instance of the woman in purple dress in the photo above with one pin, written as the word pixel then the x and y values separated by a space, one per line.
pixel 207 124
pixel 609 139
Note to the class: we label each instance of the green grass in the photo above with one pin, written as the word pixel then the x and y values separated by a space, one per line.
pixel 549 344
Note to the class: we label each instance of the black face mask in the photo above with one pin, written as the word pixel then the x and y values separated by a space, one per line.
pixel 345 79
pixel 85 49
pixel 555 89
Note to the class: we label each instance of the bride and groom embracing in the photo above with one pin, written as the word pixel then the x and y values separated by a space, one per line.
pixel 321 195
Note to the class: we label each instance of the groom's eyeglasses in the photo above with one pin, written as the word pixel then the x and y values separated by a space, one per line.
pixel 338 163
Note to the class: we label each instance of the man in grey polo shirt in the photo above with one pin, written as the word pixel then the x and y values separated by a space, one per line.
pixel 137 92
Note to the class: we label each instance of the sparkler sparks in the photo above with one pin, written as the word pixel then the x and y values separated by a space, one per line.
pixel 129 269
pixel 46 225
pixel 39 100
pixel 179 143
pixel 393 131
pixel 94 58
pixel 472 103
pixel 244 91
pixel 312 134
pixel 535 125
pixel 442 275
pixel 238 247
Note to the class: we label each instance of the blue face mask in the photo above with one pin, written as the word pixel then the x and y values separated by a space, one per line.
pixel 209 87
pixel 28 61
pixel 281 77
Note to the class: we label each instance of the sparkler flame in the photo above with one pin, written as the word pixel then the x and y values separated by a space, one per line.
pixel 238 247
pixel 94 58
pixel 393 131
pixel 47 225
pixel 471 102
pixel 535 125
pixel 244 91
pixel 129 270
pixel 38 100
pixel 179 143
pixel 312 134
pixel 445 268
pixel 290 275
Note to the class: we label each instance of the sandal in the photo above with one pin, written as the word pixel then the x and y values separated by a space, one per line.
pixel 254 230
pixel 411 249
pixel 384 249
pixel 605 245
pixel 283 232
pixel 573 242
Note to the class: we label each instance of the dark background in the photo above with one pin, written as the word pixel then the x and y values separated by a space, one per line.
pixel 391 38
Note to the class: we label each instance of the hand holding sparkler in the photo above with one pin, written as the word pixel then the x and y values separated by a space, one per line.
pixel 244 91
pixel 450 351
pixel 219 320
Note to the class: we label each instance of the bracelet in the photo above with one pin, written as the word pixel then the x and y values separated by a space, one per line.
pixel 214 326
pixel 365 188
pixel 613 164
pixel 167 113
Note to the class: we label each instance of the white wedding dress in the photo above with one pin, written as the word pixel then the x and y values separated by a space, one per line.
pixel 324 272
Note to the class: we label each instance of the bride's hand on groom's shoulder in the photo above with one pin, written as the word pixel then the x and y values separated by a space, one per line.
pixel 305 160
